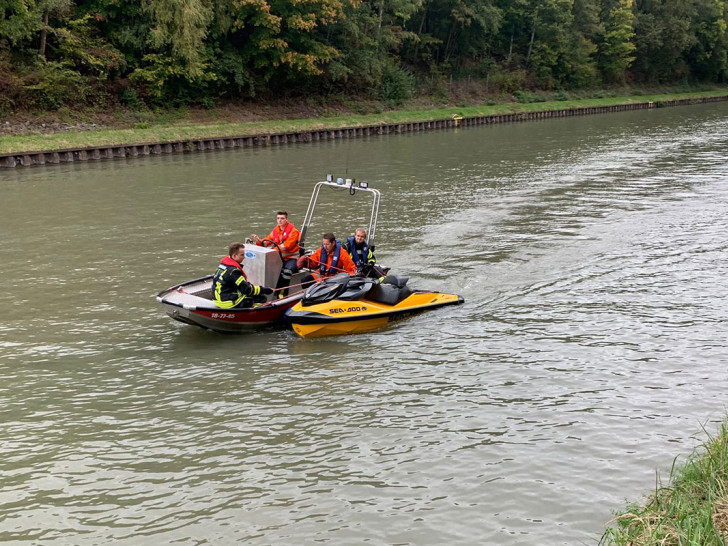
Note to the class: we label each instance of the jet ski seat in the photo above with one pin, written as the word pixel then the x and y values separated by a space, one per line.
pixel 391 290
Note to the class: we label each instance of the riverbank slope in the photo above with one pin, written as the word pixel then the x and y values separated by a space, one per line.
pixel 218 124
pixel 691 509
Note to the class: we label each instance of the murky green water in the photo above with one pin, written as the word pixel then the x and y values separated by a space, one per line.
pixel 591 349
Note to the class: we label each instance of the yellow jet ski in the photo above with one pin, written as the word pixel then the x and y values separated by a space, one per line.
pixel 349 305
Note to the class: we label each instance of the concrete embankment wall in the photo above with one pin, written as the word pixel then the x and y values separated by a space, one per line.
pixel 92 153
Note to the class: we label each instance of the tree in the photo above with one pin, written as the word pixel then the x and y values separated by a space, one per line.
pixel 179 29
pixel 550 43
pixel 282 40
pixel 581 58
pixel 369 39
pixel 662 36
pixel 18 20
pixel 708 56
pixel 451 32
pixel 616 49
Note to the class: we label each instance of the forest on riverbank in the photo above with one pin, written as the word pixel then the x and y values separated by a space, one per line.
pixel 57 54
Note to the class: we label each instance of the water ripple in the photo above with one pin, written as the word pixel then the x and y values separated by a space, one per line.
pixel 589 352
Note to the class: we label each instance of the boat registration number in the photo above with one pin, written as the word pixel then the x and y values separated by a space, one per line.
pixel 223 315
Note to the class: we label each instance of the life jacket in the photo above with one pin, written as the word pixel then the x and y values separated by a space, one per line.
pixel 355 257
pixel 280 237
pixel 225 294
pixel 334 261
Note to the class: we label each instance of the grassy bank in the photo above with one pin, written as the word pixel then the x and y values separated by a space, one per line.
pixel 165 129
pixel 692 509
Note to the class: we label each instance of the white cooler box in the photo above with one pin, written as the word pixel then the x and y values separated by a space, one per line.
pixel 262 265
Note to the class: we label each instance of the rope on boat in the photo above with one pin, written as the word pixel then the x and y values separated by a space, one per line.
pixel 315 281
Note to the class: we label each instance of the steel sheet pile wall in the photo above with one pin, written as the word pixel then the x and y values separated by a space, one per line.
pixel 27 159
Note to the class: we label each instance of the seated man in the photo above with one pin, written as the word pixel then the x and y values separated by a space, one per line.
pixel 358 248
pixel 362 255
pixel 230 286
pixel 327 260
pixel 285 237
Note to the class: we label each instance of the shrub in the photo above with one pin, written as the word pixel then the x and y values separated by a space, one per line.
pixel 130 97
pixel 507 81
pixel 10 85
pixel 397 85
pixel 526 97
pixel 54 85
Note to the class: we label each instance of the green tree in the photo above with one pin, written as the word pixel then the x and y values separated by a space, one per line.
pixel 60 10
pixel 708 57
pixel 513 36
pixel 452 32
pixel 581 58
pixel 18 20
pixel 174 63
pixel 179 30
pixel 370 38
pixel 24 21
pixel 663 36
pixel 282 40
pixel 550 42
pixel 548 38
pixel 616 48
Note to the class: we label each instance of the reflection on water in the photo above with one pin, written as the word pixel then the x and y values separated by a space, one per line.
pixel 592 256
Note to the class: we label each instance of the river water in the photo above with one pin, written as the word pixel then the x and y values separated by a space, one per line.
pixel 591 350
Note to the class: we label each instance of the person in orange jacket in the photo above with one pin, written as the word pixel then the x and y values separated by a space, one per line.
pixel 327 261
pixel 284 236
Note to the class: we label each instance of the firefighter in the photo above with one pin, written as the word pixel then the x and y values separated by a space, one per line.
pixel 230 286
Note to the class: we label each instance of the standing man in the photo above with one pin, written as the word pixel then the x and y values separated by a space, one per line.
pixel 329 260
pixel 285 237
pixel 230 286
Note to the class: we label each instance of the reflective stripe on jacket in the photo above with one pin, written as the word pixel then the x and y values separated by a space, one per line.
pixel 230 285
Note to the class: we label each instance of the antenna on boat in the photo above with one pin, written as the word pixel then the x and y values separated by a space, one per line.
pixel 346 166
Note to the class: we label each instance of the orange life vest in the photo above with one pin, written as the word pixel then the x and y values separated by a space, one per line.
pixel 287 241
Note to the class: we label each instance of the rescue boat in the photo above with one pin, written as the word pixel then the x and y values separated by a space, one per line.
pixel 191 302
pixel 349 305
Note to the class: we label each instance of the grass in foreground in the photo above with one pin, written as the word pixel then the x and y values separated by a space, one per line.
pixel 691 510
pixel 174 130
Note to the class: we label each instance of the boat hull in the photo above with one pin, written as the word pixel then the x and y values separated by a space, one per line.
pixel 339 317
pixel 226 320
pixel 188 303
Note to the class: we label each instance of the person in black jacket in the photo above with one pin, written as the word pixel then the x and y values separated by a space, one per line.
pixel 230 286
pixel 363 256
pixel 358 249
